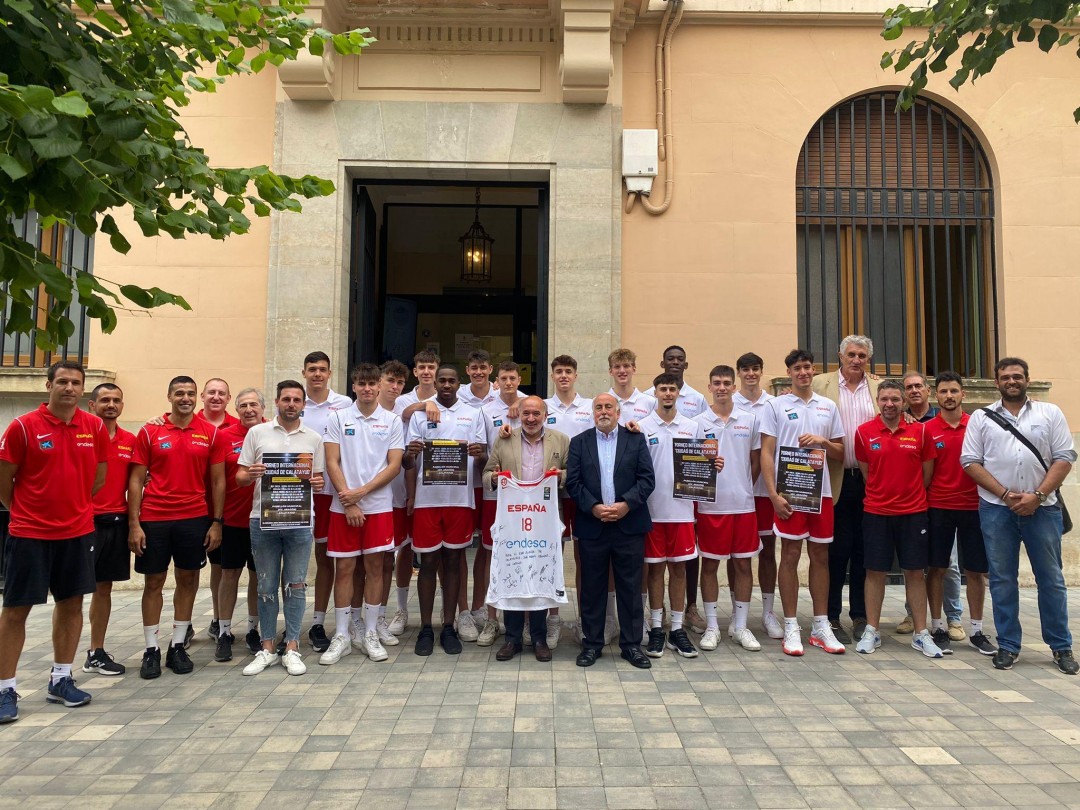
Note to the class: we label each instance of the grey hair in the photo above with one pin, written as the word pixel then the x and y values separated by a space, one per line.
pixel 256 392
pixel 858 340
pixel 915 373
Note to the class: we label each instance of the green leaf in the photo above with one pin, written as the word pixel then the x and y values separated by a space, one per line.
pixel 12 104
pixel 56 283
pixel 72 104
pixel 55 146
pixel 137 295
pixel 37 97
pixel 315 46
pixel 13 167
pixel 1048 37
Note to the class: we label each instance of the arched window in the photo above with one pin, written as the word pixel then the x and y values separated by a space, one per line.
pixel 895 231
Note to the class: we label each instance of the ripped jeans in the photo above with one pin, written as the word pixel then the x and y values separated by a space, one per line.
pixel 281 555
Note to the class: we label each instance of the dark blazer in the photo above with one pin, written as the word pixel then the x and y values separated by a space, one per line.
pixel 634 482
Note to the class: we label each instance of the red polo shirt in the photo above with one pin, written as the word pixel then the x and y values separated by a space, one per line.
pixel 178 460
pixel 894 481
pixel 230 420
pixel 111 499
pixel 951 487
pixel 237 498
pixel 57 464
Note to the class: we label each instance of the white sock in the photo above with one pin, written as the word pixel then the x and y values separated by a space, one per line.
pixel 710 616
pixel 7 683
pixel 59 671
pixel 253 623
pixel 226 627
pixel 150 636
pixel 657 618
pixel 382 611
pixel 821 622
pixel 742 610
pixel 371 617
pixel 611 610
pixel 937 624
pixel 356 616
pixel 767 601
pixel 976 626
pixel 179 632
pixel 319 617
pixel 676 619
pixel 791 623
pixel 341 617
pixel 403 599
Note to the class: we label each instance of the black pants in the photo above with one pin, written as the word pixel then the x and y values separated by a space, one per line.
pixel 515 624
pixel 625 554
pixel 846 549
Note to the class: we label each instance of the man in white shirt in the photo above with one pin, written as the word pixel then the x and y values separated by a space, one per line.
pixel 480 391
pixel 633 405
pixel 398 566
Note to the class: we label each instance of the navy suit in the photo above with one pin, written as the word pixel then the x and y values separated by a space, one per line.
pixel 619 545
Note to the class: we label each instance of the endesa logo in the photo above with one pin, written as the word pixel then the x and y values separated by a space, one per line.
pixel 525 507
pixel 526 543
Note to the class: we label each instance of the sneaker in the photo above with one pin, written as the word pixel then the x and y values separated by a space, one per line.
pixel 941 638
pixel 654 642
pixel 387 638
pixel 466 626
pixel 839 633
pixel 479 616
pixel 263 659
pixel 554 630
pixel 293 662
pixel 907 626
pixel 65 691
pixel 151 664
pixel 1065 662
pixel 339 647
pixel 223 651
pixel 213 630
pixel 611 629
pixel 745 639
pixel 102 663
pixel 488 633
pixel 772 625
pixel 449 641
pixel 1004 659
pixel 317 636
pixel 373 648
pixel 693 619
pixel 711 639
pixel 982 643
pixel 253 640
pixel 793 641
pixel 679 641
pixel 826 640
pixel 356 636
pixel 188 636
pixel 956 630
pixel 869 641
pixel 400 621
pixel 924 643
pixel 177 659
pixel 9 705
pixel 425 641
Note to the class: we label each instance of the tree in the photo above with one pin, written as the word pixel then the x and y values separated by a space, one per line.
pixel 990 30
pixel 90 99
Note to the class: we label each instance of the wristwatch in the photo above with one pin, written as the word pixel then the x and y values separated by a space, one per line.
pixel 218 520
pixel 1041 496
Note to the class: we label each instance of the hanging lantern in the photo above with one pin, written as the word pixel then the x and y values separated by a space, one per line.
pixel 476 251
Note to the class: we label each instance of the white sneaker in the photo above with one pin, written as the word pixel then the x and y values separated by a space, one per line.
pixel 772 625
pixel 263 659
pixel 339 647
pixel 611 629
pixel 356 634
pixel 479 616
pixel 466 626
pixel 488 634
pixel 744 638
pixel 824 638
pixel 293 662
pixel 793 641
pixel 869 642
pixel 399 622
pixel 387 638
pixel 373 647
pixel 924 643
pixel 711 640
pixel 554 630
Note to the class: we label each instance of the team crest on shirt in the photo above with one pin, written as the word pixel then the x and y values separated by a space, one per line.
pixel 350 431
pixel 433 425
pixel 551 420
pixel 166 445
pixel 497 423
pixel 654 440
pixel 46 445
pixel 710 435
pixel 547 493
pixel 939 445
pixel 792 415
pixel 875 445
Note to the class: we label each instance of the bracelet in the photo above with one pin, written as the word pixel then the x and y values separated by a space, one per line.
pixel 1005 494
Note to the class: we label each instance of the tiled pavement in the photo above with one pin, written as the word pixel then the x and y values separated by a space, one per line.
pixel 728 729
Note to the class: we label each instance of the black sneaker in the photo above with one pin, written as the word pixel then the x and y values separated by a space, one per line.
pixel 281 645
pixel 213 630
pixel 178 660
pixel 9 705
pixel 317 636
pixel 223 651
pixel 982 643
pixel 655 647
pixel 449 641
pixel 1004 659
pixel 188 636
pixel 151 664
pixel 254 640
pixel 425 641
pixel 941 638
pixel 1065 662
pixel 839 631
pixel 102 663
pixel 679 641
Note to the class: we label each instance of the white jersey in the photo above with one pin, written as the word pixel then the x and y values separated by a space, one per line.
pixel 461 423
pixel 690 403
pixel 572 419
pixel 363 444
pixel 526 553
pixel 758 410
pixel 397 486
pixel 315 416
pixel 735 438
pixel 466 395
pixel 659 437
pixel 635 407
pixel 787 417
pixel 496 417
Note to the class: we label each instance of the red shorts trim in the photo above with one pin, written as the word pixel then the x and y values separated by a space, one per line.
pixel 670 542
pixel 321 529
pixel 487 520
pixel 436 527
pixel 375 535
pixel 724 536
pixel 402 527
pixel 765 515
pixel 478 508
pixel 569 513
pixel 807 526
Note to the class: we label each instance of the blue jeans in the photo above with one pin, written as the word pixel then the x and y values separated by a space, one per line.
pixel 1003 532
pixel 281 554
pixel 950 601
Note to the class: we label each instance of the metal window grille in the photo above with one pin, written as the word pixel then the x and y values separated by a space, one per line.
pixel 895 236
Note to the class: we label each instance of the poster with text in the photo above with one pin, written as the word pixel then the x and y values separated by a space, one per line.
pixel 695 469
pixel 285 491
pixel 446 463
pixel 800 472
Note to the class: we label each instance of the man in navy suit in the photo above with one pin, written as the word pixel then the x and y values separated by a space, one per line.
pixel 609 475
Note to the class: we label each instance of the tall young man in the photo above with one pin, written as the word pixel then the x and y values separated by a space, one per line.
pixel 319 403
pixel 670 542
pixel 727 525
pixel 802 418
pixel 112 557
pixel 52 461
pixel 750 397
pixel 897 461
pixel 167 520
pixel 479 391
pixel 364 445
pixel 442 513
pixel 633 405
pixel 392 377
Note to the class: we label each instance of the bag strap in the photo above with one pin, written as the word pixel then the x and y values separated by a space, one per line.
pixel 1005 424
